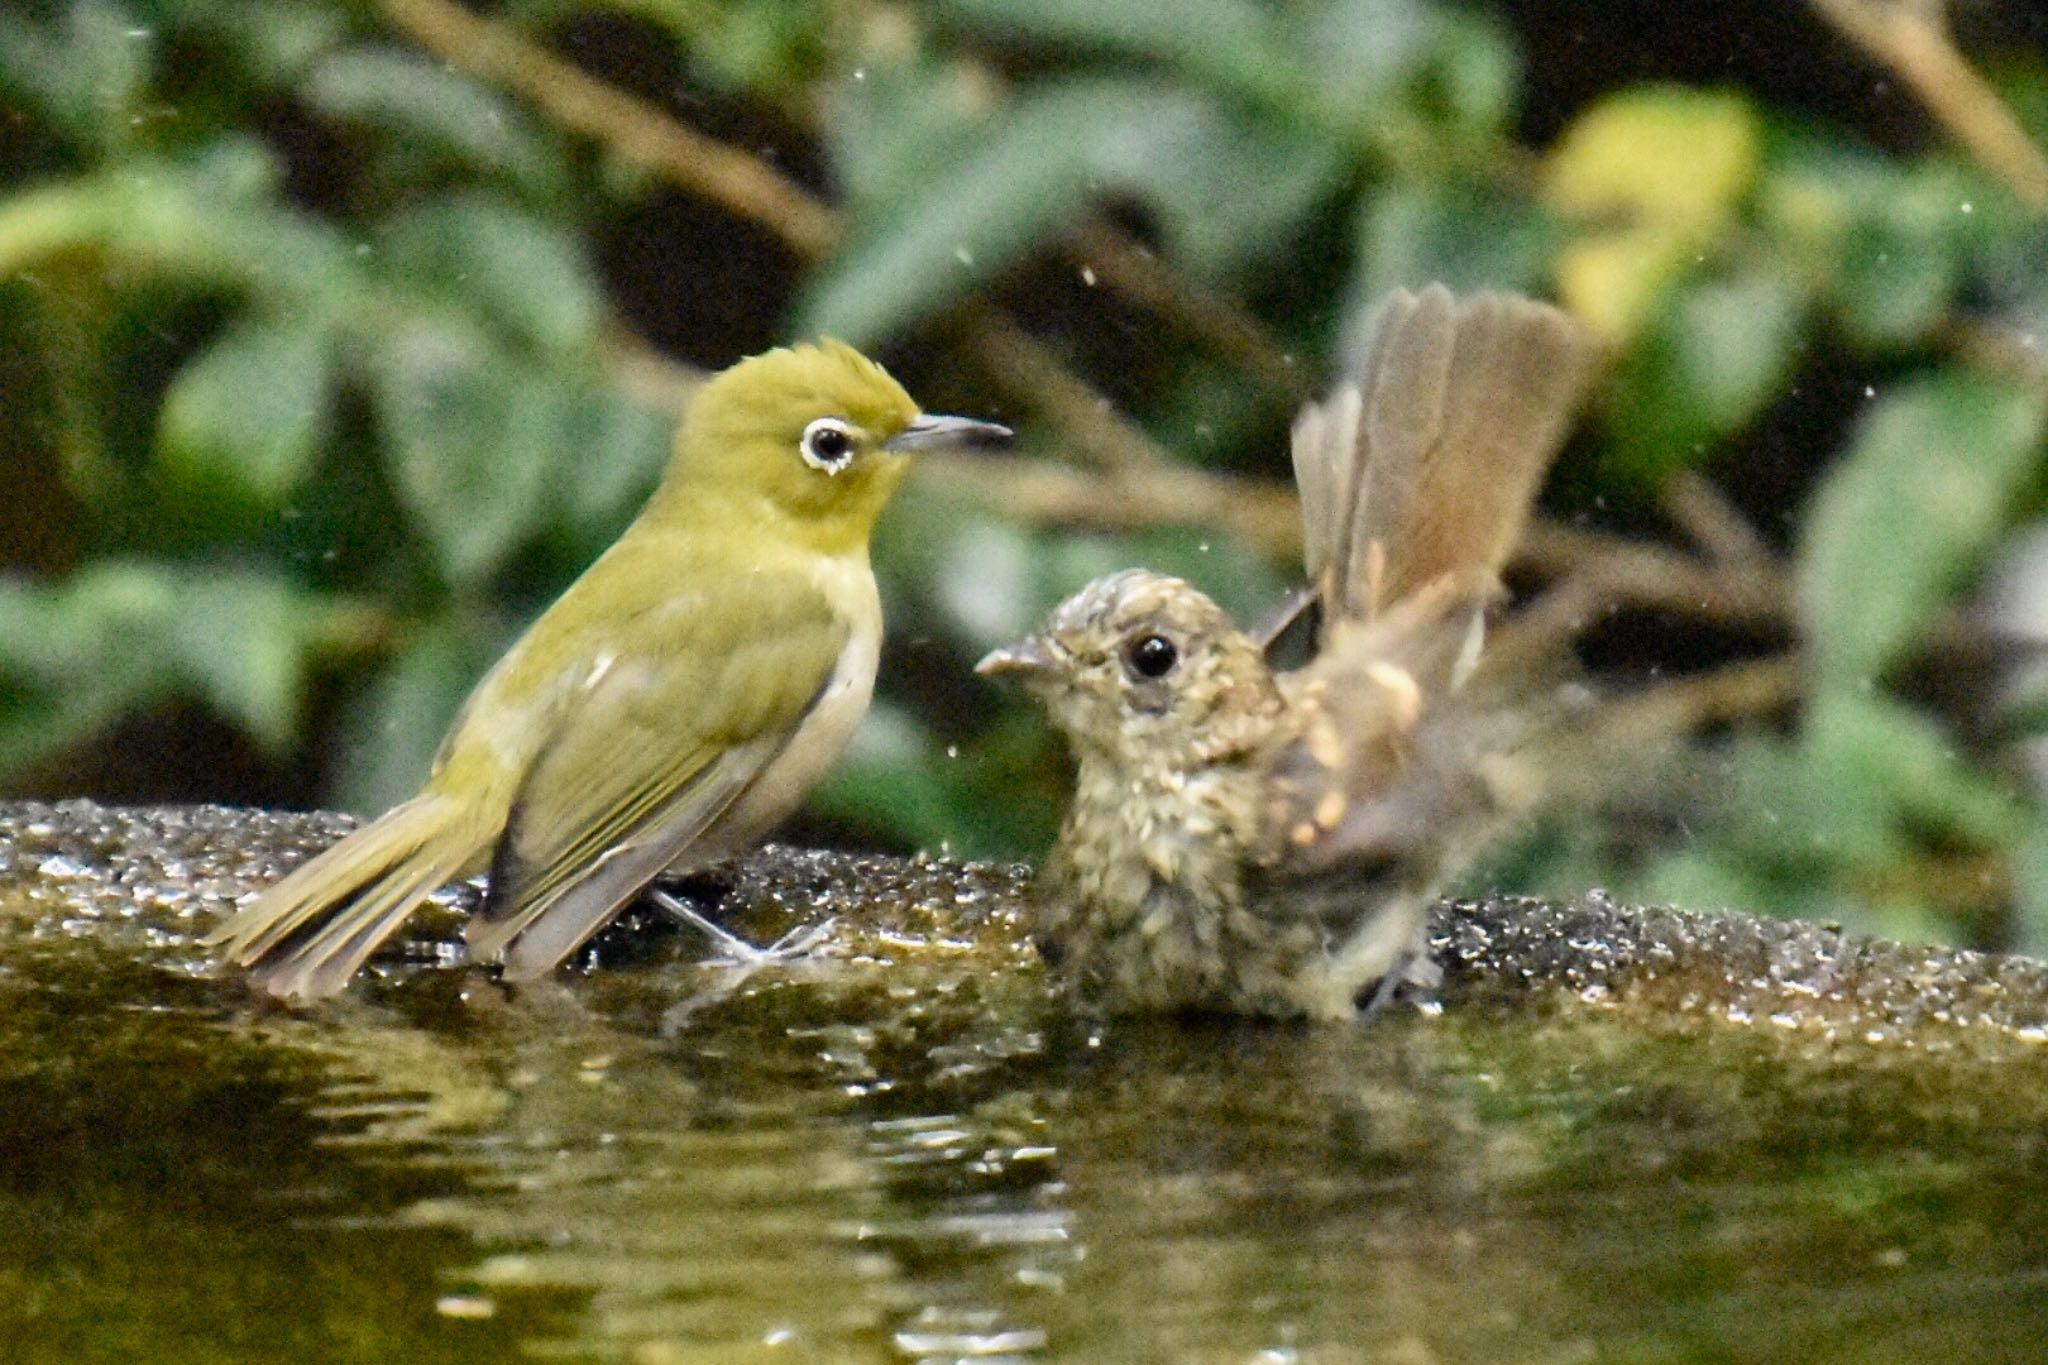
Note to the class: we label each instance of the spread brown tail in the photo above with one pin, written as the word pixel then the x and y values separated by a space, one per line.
pixel 1428 463
pixel 309 933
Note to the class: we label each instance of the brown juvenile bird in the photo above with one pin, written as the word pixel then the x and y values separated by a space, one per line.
pixel 1260 842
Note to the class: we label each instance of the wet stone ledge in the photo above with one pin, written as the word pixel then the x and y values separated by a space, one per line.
pixel 148 882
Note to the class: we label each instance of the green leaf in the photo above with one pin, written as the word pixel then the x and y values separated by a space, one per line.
pixel 78 654
pixel 2030 875
pixel 390 732
pixel 1902 258
pixel 974 573
pixel 472 440
pixel 889 129
pixel 1232 44
pixel 1891 243
pixel 1872 744
pixel 1452 68
pixel 423 103
pixel 1803 810
pixel 275 39
pixel 525 273
pixel 1223 190
pixel 85 73
pixel 1365 49
pixel 1478 74
pixel 957 224
pixel 1418 232
pixel 250 412
pixel 118 637
pixel 1710 358
pixel 202 220
pixel 241 639
pixel 1905 514
pixel 621 450
pixel 1227 190
pixel 890 779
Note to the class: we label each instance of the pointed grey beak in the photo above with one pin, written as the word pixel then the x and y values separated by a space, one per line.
pixel 932 431
pixel 1025 659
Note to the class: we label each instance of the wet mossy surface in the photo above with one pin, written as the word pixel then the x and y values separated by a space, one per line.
pixel 1624 1135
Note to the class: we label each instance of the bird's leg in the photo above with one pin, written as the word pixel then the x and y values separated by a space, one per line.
pixel 1383 992
pixel 737 952
pixel 1413 969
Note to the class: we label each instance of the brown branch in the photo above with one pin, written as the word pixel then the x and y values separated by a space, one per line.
pixel 1596 572
pixel 1910 38
pixel 1140 276
pixel 1029 372
pixel 1998 349
pixel 1685 706
pixel 1628 573
pixel 1045 493
pixel 1709 521
pixel 638 131
pixel 631 128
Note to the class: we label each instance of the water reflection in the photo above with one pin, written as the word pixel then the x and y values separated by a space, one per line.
pixel 910 1151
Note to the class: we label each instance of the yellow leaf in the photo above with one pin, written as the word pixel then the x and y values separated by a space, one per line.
pixel 1654 174
pixel 1609 280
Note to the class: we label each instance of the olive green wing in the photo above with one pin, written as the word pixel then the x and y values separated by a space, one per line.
pixel 669 731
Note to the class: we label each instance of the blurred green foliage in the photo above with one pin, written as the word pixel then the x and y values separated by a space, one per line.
pixel 319 379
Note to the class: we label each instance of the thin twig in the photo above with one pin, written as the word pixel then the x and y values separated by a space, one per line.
pixel 1044 493
pixel 1708 519
pixel 1028 371
pixel 1911 39
pixel 1142 277
pixel 2022 357
pixel 1633 573
pixel 638 131
pixel 1685 706
pixel 631 128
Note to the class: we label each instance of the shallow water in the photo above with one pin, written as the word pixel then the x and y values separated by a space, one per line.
pixel 910 1150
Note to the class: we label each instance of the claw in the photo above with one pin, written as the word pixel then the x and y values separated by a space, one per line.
pixel 1414 975
pixel 736 951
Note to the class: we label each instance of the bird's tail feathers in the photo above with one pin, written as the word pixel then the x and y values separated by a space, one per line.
pixel 1428 464
pixel 309 933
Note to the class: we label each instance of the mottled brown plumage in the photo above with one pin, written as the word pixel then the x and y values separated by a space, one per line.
pixel 1260 842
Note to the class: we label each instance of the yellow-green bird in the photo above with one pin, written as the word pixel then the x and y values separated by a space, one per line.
pixel 669 709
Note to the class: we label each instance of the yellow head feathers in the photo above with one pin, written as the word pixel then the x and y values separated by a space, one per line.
pixel 781 391
pixel 817 436
pixel 797 433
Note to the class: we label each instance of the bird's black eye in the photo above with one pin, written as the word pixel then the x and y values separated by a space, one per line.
pixel 1151 656
pixel 828 444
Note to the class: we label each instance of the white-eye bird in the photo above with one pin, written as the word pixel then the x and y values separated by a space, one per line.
pixel 674 704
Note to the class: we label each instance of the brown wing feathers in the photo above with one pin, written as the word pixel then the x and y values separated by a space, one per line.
pixel 1428 463
pixel 1416 483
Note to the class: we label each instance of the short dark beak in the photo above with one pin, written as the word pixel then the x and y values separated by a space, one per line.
pixel 1027 658
pixel 931 431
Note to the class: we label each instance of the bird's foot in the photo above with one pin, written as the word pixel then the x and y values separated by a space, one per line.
pixel 739 958
pixel 733 951
pixel 1415 976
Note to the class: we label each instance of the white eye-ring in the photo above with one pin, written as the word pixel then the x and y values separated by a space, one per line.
pixel 828 444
